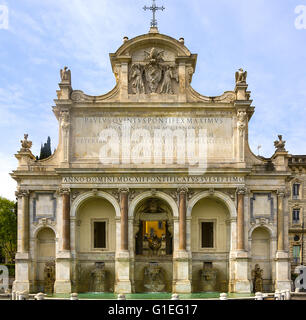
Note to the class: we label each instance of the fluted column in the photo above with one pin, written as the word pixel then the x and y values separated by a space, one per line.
pixel 124 193
pixel 182 217
pixel 66 219
pixel 240 220
pixel 280 220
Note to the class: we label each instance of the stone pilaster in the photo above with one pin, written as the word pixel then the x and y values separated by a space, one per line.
pixel 23 263
pixel 63 258
pixel 282 264
pixel 181 258
pixel 123 261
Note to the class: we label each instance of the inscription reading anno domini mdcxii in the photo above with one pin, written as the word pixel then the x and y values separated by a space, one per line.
pixel 154 179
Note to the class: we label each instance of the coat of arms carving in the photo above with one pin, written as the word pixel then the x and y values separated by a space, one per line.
pixel 153 75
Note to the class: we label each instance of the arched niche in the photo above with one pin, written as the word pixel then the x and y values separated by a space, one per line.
pixel 45 257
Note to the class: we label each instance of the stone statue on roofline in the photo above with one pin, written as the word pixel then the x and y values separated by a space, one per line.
pixel 280 144
pixel 26 145
pixel 65 75
pixel 241 76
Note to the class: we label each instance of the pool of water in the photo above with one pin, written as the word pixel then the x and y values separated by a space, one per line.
pixel 150 296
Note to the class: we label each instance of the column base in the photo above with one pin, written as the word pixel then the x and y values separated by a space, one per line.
pixel 181 265
pixel 182 286
pixel 282 267
pixel 241 283
pixel 122 269
pixel 22 273
pixel 62 286
pixel 21 286
pixel 63 269
pixel 123 286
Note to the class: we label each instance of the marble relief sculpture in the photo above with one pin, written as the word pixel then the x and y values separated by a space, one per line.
pixel 153 75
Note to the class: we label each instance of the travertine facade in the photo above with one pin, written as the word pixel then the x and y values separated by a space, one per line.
pixel 151 152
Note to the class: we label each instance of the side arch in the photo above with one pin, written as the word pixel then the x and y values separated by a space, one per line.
pixel 217 195
pixel 91 194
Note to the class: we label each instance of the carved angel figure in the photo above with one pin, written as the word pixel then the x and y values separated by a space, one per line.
pixel 26 144
pixel 280 144
pixel 241 76
pixel 65 75
pixel 136 75
pixel 167 83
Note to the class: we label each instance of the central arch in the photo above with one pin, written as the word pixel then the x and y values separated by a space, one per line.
pixel 153 218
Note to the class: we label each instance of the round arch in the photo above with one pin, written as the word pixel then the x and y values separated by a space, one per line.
pixel 91 194
pixel 41 227
pixel 270 230
pixel 217 195
pixel 149 194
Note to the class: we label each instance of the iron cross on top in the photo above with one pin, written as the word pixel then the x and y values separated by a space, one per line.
pixel 154 8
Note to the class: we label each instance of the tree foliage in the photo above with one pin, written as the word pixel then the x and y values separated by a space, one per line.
pixel 8 229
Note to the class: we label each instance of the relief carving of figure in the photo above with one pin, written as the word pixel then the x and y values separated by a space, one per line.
pixel 169 74
pixel 65 120
pixel 280 144
pixel 241 76
pixel 136 75
pixel 65 75
pixel 241 116
pixel 26 144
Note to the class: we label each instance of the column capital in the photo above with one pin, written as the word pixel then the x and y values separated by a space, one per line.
pixel 63 191
pixel 281 193
pixel 242 190
pixel 22 193
pixel 182 190
pixel 123 190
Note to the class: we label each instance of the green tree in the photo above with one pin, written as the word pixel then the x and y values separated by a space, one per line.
pixel 8 229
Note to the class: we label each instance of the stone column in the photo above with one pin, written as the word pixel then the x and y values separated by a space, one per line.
pixel 240 220
pixel 25 222
pixel 241 282
pixel 181 258
pixel 63 257
pixel 182 218
pixel 23 264
pixel 282 264
pixel 66 220
pixel 124 194
pixel 123 261
pixel 280 221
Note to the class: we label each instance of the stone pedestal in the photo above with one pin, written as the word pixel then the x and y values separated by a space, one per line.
pixel 23 265
pixel 63 273
pixel 241 283
pixel 122 270
pixel 282 281
pixel 181 283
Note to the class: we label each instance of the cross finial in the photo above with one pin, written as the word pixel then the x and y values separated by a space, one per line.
pixel 154 8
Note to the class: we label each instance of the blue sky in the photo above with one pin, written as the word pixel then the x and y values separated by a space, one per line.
pixel 43 36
